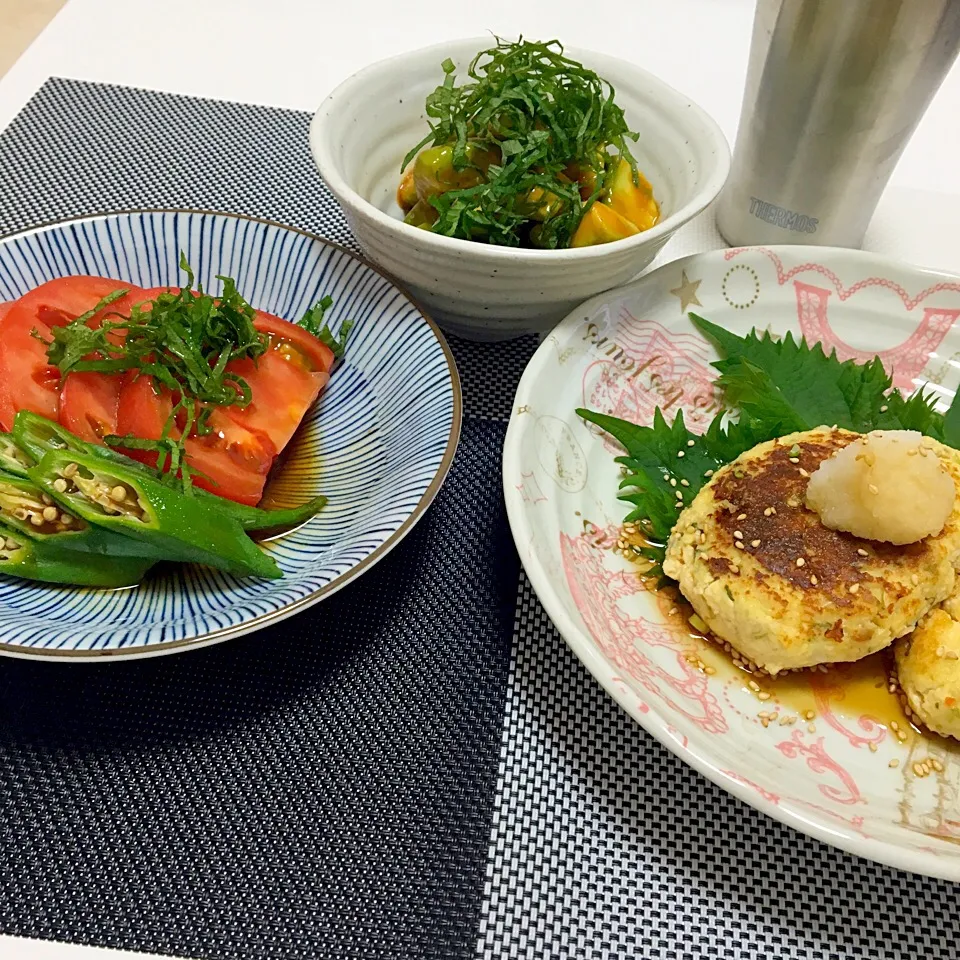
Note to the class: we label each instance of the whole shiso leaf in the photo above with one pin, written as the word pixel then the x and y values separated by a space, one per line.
pixel 791 383
pixel 666 464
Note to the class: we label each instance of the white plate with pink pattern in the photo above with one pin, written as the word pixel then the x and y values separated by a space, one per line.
pixel 823 752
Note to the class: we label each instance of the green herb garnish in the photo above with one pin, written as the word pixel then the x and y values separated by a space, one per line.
pixel 312 322
pixel 537 112
pixel 775 387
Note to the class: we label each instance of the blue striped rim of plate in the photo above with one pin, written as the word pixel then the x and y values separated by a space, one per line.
pixel 378 443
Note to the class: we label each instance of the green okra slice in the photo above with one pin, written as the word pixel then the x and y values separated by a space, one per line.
pixel 254 519
pixel 129 502
pixel 44 560
pixel 12 458
pixel 37 435
pixel 33 512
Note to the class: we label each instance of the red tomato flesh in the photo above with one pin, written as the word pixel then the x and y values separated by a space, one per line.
pixel 296 342
pixel 282 392
pixel 235 461
pixel 27 381
pixel 59 301
pixel 88 404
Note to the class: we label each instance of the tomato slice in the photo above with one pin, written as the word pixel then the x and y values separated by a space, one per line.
pixel 143 412
pixel 27 381
pixel 235 461
pixel 59 301
pixel 282 390
pixel 6 307
pixel 299 345
pixel 89 403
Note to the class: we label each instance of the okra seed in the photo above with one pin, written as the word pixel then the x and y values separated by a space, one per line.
pixel 47 499
pixel 20 513
pixel 12 545
pixel 36 519
pixel 119 494
pixel 50 514
pixel 60 485
pixel 70 469
pixel 66 519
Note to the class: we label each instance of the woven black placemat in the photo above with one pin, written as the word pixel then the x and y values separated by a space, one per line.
pixel 325 787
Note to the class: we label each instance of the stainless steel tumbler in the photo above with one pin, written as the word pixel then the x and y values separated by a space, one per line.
pixel 835 88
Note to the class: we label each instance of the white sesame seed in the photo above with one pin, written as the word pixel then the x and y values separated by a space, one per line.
pixel 811 728
pixel 952 655
pixel 884 408
pixel 794 459
pixel 873 488
pixel 684 483
pixel 813 580
pixel 739 544
pixel 690 443
pixel 742 516
pixel 800 561
pixel 872 747
pixel 709 473
pixel 940 651
pixel 804 473
pixel 680 453
pixel 673 481
pixel 754 543
pixel 737 535
pixel 914 579
pixel 894 763
pixel 854 588
pixel 763 695
pixel 862 552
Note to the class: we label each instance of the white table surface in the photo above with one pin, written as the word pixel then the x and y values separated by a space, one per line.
pixel 293 52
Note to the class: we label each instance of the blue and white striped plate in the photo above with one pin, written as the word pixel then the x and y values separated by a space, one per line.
pixel 379 442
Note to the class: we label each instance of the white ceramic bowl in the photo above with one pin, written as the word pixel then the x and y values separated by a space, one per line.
pixel 363 130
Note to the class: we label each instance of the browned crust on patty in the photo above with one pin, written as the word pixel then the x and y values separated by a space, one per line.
pixel 793 531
